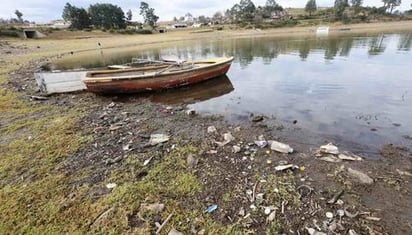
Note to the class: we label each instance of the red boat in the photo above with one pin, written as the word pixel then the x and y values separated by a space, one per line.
pixel 132 80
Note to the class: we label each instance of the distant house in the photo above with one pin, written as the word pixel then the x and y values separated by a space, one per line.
pixel 276 16
pixel 60 24
pixel 180 25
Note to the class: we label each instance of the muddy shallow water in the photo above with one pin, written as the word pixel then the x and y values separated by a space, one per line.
pixel 355 90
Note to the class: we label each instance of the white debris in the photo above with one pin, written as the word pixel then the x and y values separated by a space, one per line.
pixel 329 215
pixel 211 129
pixel 280 147
pixel 349 157
pixel 329 148
pixel 158 138
pixel 111 186
pixel 285 167
pixel 236 149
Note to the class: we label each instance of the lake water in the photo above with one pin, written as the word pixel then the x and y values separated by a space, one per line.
pixel 354 90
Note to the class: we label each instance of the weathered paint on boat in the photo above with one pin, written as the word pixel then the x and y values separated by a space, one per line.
pixel 143 79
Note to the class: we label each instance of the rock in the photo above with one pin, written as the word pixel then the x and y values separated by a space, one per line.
pixel 211 129
pixel 191 112
pixel 280 147
pixel 329 148
pixel 191 161
pixel 174 232
pixel 257 118
pixel 156 207
pixel 362 177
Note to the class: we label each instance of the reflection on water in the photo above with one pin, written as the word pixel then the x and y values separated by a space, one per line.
pixel 354 89
pixel 203 91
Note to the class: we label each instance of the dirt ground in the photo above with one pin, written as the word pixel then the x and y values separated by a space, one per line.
pixel 115 180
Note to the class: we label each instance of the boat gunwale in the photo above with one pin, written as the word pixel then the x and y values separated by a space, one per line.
pixel 219 61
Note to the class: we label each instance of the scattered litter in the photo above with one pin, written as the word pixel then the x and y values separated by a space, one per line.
pixel 312 231
pixel 236 149
pixel 280 147
pixel 329 215
pixel 211 209
pixel 268 162
pixel 373 218
pixel 330 158
pixel 349 157
pixel 211 129
pixel 227 137
pixel 127 147
pixel 147 161
pixel 111 186
pixel 329 148
pixel 261 143
pixel 286 167
pixel 340 213
pixel 212 151
pixel 35 97
pixel 403 173
pixel 362 177
pixel 158 138
pixel 352 232
pixel 156 207
pixel 272 216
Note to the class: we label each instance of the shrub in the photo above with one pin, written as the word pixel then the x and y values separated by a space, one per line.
pixel 9 33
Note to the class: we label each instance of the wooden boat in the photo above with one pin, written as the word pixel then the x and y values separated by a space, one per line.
pixel 134 80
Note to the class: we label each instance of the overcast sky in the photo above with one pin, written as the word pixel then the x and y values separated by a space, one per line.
pixel 43 11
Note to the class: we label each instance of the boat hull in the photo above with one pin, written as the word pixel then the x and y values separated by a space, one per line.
pixel 158 82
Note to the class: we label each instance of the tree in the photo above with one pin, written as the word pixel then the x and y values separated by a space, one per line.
pixel 391 4
pixel 217 17
pixel 175 19
pixel 107 16
pixel 148 14
pixel 129 15
pixel 310 6
pixel 78 17
pixel 19 15
pixel 340 6
pixel 247 10
pixel 356 4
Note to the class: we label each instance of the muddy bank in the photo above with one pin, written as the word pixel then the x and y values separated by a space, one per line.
pixel 191 171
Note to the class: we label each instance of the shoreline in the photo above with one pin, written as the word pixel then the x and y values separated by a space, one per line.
pixel 78 144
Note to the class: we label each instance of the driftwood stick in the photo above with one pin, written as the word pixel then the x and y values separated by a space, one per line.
pixel 164 223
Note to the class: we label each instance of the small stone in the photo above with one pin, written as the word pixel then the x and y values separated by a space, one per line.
pixel 191 161
pixel 362 177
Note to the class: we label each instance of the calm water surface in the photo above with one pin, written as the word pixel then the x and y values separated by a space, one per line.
pixel 352 90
